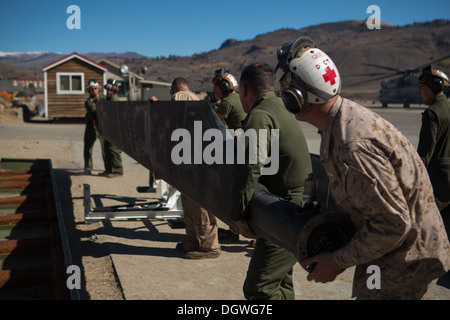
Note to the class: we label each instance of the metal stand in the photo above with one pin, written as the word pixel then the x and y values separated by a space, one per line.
pixel 169 208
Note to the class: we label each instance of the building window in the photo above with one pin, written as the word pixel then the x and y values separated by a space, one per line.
pixel 69 82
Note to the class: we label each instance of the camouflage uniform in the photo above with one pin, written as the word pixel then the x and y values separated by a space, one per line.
pixel 378 178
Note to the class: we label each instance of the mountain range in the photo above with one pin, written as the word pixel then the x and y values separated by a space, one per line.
pixel 350 44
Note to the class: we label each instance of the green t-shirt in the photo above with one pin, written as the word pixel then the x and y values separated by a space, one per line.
pixel 231 109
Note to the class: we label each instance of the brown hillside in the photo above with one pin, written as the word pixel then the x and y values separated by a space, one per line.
pixel 349 43
pixel 10 72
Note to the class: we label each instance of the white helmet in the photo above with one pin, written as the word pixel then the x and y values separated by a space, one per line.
pixel 92 83
pixel 111 84
pixel 312 78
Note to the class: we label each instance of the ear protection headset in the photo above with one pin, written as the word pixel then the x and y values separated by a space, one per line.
pixel 224 86
pixel 437 85
pixel 293 97
pixel 435 79
pixel 225 81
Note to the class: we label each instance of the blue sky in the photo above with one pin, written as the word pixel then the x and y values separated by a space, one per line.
pixel 162 28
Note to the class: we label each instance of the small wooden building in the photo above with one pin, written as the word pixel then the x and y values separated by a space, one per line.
pixel 65 84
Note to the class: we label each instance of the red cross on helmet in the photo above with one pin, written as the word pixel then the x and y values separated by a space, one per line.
pixel 319 73
pixel 312 78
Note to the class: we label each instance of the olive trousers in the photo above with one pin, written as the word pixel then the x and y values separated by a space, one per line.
pixel 269 275
pixel 112 156
pixel 90 136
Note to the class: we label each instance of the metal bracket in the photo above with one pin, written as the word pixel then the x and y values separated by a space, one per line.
pixel 169 208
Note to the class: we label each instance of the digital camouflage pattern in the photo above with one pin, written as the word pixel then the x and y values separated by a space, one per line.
pixel 378 178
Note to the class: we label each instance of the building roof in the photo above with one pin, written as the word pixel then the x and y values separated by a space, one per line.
pixel 112 68
pixel 117 67
pixel 72 56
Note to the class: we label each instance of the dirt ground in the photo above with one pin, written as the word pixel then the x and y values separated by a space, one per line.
pixel 137 259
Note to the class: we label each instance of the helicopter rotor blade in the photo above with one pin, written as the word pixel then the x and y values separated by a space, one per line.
pixel 374 79
pixel 365 75
pixel 431 62
pixel 383 67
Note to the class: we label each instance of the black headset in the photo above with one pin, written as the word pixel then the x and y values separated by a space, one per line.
pixel 224 86
pixel 222 83
pixel 435 83
pixel 293 98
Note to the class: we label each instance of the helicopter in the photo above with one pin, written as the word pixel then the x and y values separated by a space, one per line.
pixel 402 90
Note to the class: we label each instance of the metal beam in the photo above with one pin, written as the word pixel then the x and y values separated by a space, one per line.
pixel 145 133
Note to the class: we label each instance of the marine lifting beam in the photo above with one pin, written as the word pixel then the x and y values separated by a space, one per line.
pixel 150 134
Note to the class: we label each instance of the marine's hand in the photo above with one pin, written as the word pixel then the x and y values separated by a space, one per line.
pixel 325 269
pixel 152 99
